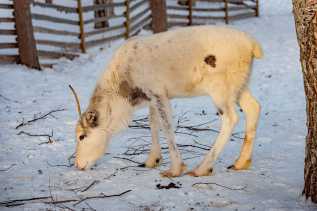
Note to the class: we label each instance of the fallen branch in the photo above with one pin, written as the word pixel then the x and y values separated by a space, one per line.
pixel 60 165
pixel 49 136
pixel 90 185
pixel 7 99
pixel 102 196
pixel 38 118
pixel 122 158
pixel 223 186
pixel 7 169
pixel 50 200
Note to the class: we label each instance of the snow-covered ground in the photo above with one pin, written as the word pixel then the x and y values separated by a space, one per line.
pixel 29 167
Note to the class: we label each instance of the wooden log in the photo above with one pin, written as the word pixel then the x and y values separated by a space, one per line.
pixel 159 16
pixel 26 43
pixel 81 27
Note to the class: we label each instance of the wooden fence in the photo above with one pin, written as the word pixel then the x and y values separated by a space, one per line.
pixel 8 43
pixel 127 20
pixel 48 30
pixel 197 12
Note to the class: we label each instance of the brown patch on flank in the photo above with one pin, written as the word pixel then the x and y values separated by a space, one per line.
pixel 97 96
pixel 210 60
pixel 134 95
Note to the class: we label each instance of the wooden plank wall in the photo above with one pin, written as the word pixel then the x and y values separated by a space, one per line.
pixel 71 31
pixel 209 11
pixel 8 43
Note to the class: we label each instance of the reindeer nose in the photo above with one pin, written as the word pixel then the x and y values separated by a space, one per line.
pixel 78 166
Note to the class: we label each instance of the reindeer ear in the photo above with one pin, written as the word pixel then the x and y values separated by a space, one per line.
pixel 92 118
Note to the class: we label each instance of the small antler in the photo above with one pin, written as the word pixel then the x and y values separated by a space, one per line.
pixel 77 100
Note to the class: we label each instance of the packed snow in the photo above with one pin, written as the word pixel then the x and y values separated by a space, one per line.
pixel 32 166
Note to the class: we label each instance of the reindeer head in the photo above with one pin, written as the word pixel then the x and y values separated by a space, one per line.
pixel 97 124
pixel 91 138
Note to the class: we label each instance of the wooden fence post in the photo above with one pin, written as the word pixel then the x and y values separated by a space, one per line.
pixel 159 17
pixel 257 13
pixel 190 10
pixel 81 27
pixel 25 37
pixel 127 21
pixel 226 12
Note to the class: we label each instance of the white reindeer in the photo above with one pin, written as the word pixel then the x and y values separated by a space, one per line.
pixel 193 61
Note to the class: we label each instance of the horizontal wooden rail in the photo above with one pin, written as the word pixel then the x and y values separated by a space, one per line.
pixel 241 16
pixel 8 32
pixel 8 45
pixel 104 30
pixel 6 6
pixel 102 6
pixel 241 8
pixel 102 19
pixel 177 16
pixel 140 23
pixel 196 9
pixel 6 20
pixel 56 55
pixel 61 8
pixel 54 19
pixel 93 43
pixel 40 29
pixel 58 44
pixel 137 5
pixel 9 58
pixel 140 14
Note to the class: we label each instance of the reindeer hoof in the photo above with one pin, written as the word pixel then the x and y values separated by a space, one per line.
pixel 152 163
pixel 199 173
pixel 173 173
pixel 240 166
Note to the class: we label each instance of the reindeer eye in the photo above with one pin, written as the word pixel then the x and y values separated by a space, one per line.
pixel 81 137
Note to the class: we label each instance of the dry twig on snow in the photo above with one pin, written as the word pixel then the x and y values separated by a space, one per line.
pixel 36 118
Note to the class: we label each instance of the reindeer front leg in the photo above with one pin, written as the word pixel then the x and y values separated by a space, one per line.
pixel 155 156
pixel 163 108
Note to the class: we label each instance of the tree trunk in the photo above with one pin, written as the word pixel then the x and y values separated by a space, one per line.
pixel 305 13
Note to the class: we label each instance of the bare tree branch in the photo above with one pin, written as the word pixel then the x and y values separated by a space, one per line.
pixel 38 118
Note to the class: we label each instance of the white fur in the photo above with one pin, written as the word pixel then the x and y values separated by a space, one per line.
pixel 172 64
